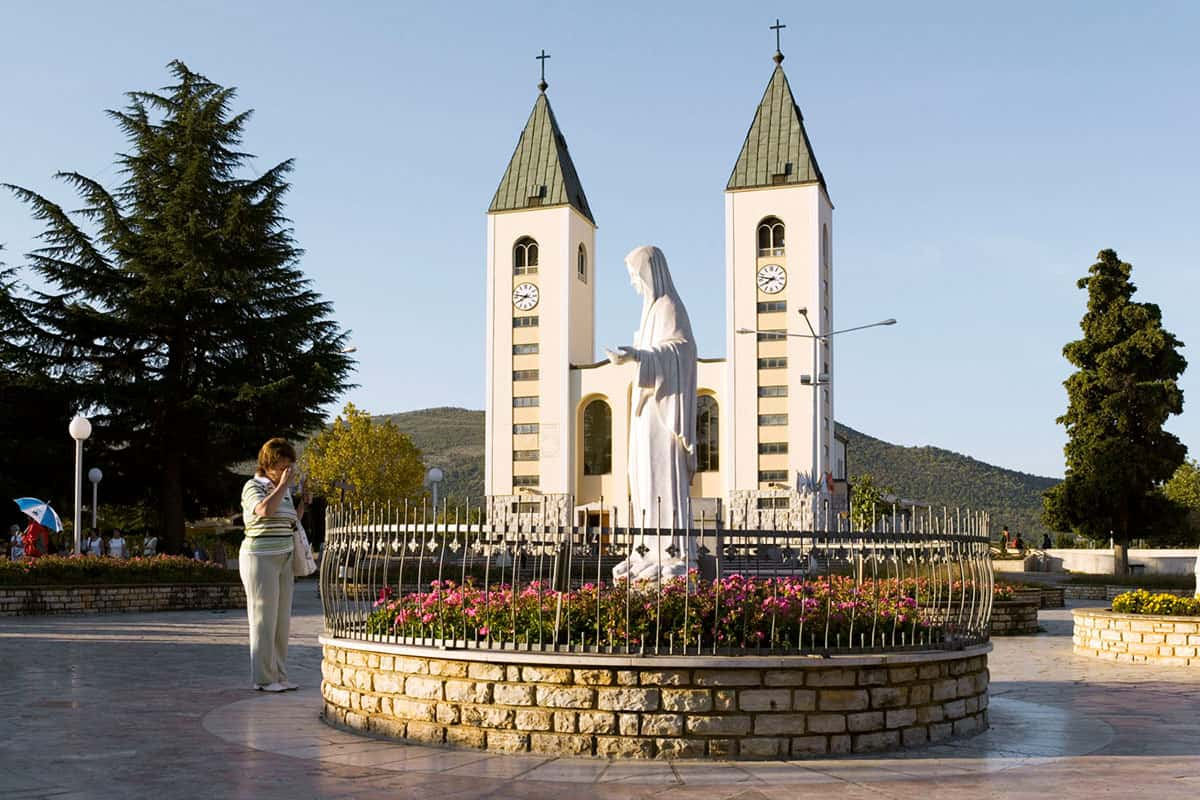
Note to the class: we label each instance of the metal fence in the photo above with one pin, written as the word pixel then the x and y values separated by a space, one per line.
pixel 918 579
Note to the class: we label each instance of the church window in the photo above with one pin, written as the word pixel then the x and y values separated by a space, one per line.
pixel 525 256
pixel 766 420
pixel 525 349
pixel 773 391
pixel 525 374
pixel 581 268
pixel 708 434
pixel 825 245
pixel 525 427
pixel 772 448
pixel 772 363
pixel 772 475
pixel 770 237
pixel 772 306
pixel 526 480
pixel 525 322
pixel 525 402
pixel 597 438
pixel 525 455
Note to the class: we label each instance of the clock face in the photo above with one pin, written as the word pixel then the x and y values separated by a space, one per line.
pixel 525 296
pixel 772 278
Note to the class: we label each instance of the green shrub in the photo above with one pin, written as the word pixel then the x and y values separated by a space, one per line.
pixel 83 570
pixel 1142 602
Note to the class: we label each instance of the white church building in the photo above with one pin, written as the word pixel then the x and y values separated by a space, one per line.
pixel 558 419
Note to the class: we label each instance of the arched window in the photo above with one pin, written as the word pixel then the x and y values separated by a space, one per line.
pixel 525 256
pixel 770 237
pixel 708 434
pixel 581 269
pixel 825 246
pixel 597 438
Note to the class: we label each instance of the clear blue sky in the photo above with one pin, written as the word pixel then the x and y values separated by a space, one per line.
pixel 978 159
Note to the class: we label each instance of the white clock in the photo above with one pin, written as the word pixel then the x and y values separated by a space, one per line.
pixel 525 296
pixel 772 278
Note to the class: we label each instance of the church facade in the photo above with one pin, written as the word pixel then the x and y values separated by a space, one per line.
pixel 558 419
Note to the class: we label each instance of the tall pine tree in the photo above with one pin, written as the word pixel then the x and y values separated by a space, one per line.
pixel 1124 390
pixel 176 306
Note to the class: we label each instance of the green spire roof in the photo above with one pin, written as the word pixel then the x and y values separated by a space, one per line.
pixel 541 172
pixel 777 151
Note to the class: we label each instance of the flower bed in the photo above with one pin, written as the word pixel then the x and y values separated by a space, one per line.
pixel 1143 602
pixel 86 571
pixel 1142 637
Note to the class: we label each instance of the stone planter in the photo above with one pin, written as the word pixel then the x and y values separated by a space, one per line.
pixel 1080 591
pixel 1015 617
pixel 1137 638
pixel 1053 597
pixel 1028 595
pixel 745 707
pixel 109 599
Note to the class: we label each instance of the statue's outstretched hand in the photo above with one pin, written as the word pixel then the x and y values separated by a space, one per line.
pixel 621 355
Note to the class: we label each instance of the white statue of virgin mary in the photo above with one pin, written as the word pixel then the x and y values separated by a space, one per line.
pixel 662 427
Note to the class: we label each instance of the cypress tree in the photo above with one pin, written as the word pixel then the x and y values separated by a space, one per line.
pixel 1123 391
pixel 176 306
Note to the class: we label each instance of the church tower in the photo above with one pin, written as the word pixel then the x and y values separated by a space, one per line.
pixel 541 248
pixel 778 229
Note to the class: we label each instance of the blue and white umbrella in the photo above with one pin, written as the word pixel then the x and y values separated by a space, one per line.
pixel 39 512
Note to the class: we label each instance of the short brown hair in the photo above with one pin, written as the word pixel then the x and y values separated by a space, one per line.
pixel 273 451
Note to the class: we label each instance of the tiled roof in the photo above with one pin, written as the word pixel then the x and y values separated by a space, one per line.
pixel 541 172
pixel 777 151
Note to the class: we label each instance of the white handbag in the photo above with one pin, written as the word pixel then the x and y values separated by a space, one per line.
pixel 303 562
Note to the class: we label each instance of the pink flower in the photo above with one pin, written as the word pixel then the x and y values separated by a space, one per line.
pixel 484 631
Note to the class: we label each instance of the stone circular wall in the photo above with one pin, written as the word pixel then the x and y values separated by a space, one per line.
pixel 1015 617
pixel 649 707
pixel 1137 638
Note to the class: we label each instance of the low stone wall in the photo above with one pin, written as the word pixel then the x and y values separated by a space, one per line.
pixel 649 707
pixel 18 600
pixel 1137 638
pixel 1053 597
pixel 1079 591
pixel 1015 617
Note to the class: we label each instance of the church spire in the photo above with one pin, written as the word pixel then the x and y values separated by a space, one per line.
pixel 540 172
pixel 777 151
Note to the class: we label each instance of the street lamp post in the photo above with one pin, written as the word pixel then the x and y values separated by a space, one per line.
pixel 80 429
pixel 95 476
pixel 432 479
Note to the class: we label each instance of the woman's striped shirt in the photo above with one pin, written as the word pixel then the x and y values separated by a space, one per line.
pixel 270 535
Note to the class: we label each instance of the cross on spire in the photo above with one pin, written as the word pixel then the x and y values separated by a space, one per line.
pixel 542 85
pixel 777 27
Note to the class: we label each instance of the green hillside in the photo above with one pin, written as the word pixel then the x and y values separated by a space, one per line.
pixel 452 438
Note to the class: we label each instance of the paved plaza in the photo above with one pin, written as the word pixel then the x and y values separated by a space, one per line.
pixel 158 705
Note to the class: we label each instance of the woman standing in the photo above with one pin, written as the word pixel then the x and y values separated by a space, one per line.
pixel 265 562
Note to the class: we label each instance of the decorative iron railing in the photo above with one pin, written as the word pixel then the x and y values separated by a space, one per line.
pixel 918 580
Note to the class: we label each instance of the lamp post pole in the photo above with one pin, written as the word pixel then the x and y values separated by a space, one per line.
pixel 80 429
pixel 95 476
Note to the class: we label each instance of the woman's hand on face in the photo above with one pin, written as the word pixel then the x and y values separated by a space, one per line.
pixel 285 477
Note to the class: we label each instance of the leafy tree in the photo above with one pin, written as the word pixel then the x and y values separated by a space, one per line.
pixel 360 460
pixel 176 307
pixel 868 502
pixel 1184 490
pixel 1123 391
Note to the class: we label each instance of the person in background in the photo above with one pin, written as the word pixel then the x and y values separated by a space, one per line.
pixel 116 544
pixel 200 554
pixel 95 545
pixel 150 546
pixel 1046 543
pixel 16 546
pixel 1018 543
pixel 36 540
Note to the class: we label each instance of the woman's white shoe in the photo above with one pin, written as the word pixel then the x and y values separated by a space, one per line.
pixel 270 687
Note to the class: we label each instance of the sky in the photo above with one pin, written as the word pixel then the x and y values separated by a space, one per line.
pixel 978 158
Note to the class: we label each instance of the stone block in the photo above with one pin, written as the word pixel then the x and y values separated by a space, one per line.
pixel 487 717
pixel 545 675
pixel 425 732
pixel 357 721
pixel 388 727
pixel 627 724
pixel 627 698
pixel 468 692
pixel 624 747
pixel 447 714
pixel 466 737
pixel 566 721
pixel 727 677
pixel 718 725
pixel 940 731
pixel 387 663
pixel 831 677
pixel 601 722
pixel 671 677
pixel 946 689
pixel 662 724
pixel 840 744
pixel 872 677
pixel 955 709
pixel 843 700
pixel 967 726
pixel 809 745
pixel 778 724
pixel 412 666
pixel 512 673
pixel 512 694
pixel 722 748
pixel 686 700
pixel 873 742
pixel 826 723
pixel 423 688
pixel 901 717
pixel 389 683
pixel 725 700
pixel 765 699
pixel 680 748
pixel 889 697
pixel 534 719
pixel 507 741
pixel 566 696
pixel 804 700
pixel 627 677
pixel 865 721
pixel 914 737
pixel 420 710
pixel 763 747
pixel 783 677
pixel 483 671
pixel 370 703
pixel 560 744
pixel 448 669
pixel 902 674
pixel 928 671
pixel 593 677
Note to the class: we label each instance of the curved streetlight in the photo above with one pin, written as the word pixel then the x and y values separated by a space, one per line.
pixel 95 476
pixel 80 429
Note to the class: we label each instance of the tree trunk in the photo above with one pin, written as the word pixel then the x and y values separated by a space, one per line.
pixel 1120 556
pixel 171 505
